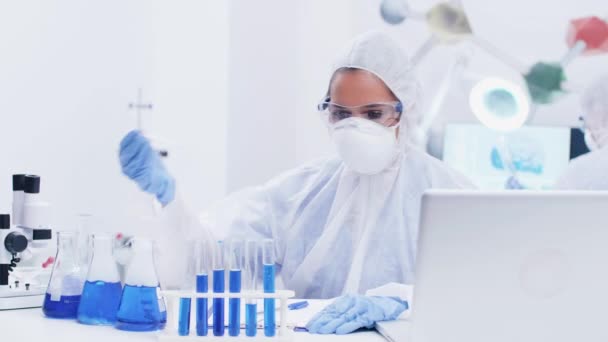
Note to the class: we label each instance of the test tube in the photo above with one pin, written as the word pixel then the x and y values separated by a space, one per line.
pixel 184 317
pixel 218 287
pixel 250 284
pixel 234 304
pixel 202 286
pixel 191 270
pixel 269 303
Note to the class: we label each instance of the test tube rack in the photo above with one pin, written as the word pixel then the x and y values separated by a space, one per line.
pixel 173 296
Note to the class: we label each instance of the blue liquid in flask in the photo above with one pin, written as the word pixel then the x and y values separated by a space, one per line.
pixel 65 307
pixel 251 318
pixel 218 303
pixel 141 309
pixel 234 304
pixel 269 303
pixel 99 302
pixel 202 286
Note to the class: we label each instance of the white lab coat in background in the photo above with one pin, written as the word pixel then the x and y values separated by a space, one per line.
pixel 586 172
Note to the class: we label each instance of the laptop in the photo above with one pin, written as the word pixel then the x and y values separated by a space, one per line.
pixel 510 266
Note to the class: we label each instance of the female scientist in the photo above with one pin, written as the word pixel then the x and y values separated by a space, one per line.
pixel 341 225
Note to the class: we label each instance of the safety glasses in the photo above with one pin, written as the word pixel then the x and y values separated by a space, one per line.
pixel 383 113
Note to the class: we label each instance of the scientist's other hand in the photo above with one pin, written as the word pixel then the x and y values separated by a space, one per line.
pixel 141 163
pixel 351 312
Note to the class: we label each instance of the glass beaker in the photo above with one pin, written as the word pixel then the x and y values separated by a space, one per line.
pixel 142 308
pixel 65 286
pixel 102 289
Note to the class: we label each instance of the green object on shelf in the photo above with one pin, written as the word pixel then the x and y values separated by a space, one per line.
pixel 544 82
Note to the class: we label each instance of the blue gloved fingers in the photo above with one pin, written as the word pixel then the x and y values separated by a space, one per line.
pixel 334 315
pixel 358 316
pixel 391 307
pixel 343 304
pixel 349 327
pixel 130 144
pixel 335 309
pixel 129 138
pixel 316 324
pixel 139 153
pixel 135 153
pixel 141 163
pixel 167 193
pixel 316 317
pixel 360 308
pixel 331 326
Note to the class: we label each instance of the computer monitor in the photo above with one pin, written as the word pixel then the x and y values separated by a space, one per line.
pixel 532 156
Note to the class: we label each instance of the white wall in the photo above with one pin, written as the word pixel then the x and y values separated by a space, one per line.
pixel 281 53
pixel 69 69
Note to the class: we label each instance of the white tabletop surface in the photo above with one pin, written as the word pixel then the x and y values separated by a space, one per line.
pixel 31 325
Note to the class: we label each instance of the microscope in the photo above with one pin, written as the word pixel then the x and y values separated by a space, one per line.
pixel 23 279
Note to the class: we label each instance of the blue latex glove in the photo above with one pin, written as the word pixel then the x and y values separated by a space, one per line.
pixel 351 312
pixel 141 163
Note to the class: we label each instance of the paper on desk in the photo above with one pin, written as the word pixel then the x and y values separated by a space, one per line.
pixel 299 318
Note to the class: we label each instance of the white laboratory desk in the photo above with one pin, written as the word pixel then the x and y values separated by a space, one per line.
pixel 31 325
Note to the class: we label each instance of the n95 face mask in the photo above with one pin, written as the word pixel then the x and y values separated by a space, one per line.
pixel 365 146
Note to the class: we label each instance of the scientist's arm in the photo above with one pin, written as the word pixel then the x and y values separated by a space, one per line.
pixel 245 213
pixel 179 226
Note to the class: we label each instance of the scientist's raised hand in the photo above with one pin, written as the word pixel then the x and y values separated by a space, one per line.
pixel 351 312
pixel 141 163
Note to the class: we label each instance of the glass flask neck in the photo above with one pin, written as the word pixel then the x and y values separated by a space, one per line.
pixel 66 248
pixel 103 266
pixel 141 270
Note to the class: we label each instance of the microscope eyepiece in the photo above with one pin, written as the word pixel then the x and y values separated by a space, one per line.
pixel 31 184
pixel 18 182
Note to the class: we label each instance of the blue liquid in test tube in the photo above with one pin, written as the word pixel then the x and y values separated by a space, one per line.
pixel 202 286
pixel 204 253
pixel 183 328
pixel 250 284
pixel 234 313
pixel 218 303
pixel 218 287
pixel 251 317
pixel 193 263
pixel 268 281
pixel 234 304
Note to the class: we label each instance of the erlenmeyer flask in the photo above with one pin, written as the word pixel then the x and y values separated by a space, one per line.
pixel 64 289
pixel 142 308
pixel 102 289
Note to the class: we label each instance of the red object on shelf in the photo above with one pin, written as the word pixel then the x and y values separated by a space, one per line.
pixel 48 262
pixel 592 30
